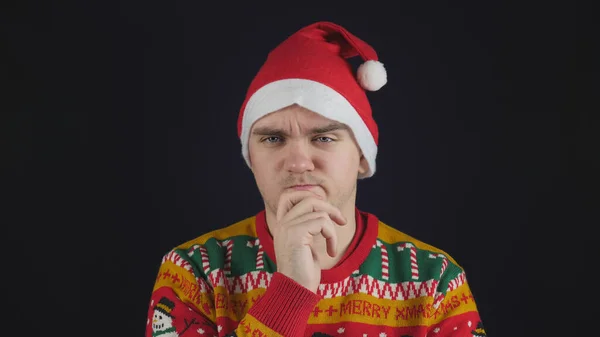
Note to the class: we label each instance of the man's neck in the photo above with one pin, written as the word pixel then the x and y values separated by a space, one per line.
pixel 344 233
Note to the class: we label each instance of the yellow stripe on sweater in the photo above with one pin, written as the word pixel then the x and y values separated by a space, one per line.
pixel 250 326
pixel 391 235
pixel 243 227
pixel 185 286
pixel 360 308
pixel 235 306
pixel 369 310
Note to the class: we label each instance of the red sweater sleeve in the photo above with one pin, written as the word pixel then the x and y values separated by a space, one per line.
pixel 285 306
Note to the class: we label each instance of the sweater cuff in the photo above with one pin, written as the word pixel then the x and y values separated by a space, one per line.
pixel 285 306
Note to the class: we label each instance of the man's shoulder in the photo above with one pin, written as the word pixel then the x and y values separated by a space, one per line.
pixel 244 228
pixel 394 236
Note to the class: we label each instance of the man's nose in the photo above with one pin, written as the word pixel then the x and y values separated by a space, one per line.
pixel 298 158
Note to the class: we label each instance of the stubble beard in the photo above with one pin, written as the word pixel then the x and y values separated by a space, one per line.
pixel 339 201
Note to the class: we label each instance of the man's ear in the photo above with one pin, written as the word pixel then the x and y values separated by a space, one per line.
pixel 363 165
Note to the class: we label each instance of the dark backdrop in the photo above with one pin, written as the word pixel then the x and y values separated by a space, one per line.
pixel 123 144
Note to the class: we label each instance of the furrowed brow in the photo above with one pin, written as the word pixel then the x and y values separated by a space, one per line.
pixel 268 131
pixel 271 131
pixel 329 128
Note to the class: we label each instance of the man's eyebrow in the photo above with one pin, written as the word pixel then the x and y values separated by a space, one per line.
pixel 271 131
pixel 335 126
pixel 267 131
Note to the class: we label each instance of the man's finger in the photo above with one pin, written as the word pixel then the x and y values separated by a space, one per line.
pixel 290 199
pixel 311 204
pixel 324 226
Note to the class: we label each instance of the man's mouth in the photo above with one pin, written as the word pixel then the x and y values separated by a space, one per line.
pixel 303 187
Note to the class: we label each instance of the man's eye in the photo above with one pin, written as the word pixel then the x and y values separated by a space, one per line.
pixel 324 139
pixel 272 139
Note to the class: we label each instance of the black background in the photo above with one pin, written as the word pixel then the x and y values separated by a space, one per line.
pixel 121 128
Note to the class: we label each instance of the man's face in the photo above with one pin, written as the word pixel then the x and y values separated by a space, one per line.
pixel 295 148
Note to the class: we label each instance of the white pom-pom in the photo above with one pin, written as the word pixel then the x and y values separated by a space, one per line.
pixel 371 75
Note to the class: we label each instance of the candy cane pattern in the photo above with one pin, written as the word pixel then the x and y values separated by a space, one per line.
pixel 176 259
pixel 444 262
pixel 459 280
pixel 413 258
pixel 203 257
pixel 439 297
pixel 259 255
pixel 228 250
pixel 385 265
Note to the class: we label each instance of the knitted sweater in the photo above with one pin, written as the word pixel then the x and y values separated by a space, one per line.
pixel 225 283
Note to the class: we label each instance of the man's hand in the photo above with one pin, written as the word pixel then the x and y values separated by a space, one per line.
pixel 302 216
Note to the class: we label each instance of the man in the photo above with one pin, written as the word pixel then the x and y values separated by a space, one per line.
pixel 311 263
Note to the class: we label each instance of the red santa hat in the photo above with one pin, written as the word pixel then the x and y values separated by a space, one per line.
pixel 310 68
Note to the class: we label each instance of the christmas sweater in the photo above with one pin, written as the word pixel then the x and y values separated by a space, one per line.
pixel 225 283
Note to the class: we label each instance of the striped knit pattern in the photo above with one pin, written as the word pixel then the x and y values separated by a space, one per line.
pixel 228 251
pixel 259 254
pixel 440 296
pixel 414 266
pixel 385 273
pixel 203 258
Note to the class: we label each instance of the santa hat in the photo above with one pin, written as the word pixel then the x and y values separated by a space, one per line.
pixel 310 68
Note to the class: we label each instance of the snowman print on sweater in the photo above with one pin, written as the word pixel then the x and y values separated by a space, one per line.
pixel 162 320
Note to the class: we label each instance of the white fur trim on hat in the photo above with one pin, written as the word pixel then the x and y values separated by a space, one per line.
pixel 316 97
